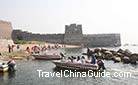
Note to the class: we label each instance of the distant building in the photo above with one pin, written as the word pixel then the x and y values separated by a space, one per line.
pixel 73 36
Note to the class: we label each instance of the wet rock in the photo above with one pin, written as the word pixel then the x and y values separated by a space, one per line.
pixel 108 52
pixel 116 59
pixel 96 50
pixel 121 51
pixel 121 55
pixel 127 52
pixel 103 50
pixel 99 55
pixel 113 52
pixel 108 57
pixel 133 58
pixel 126 60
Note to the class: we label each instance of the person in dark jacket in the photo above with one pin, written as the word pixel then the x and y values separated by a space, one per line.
pixel 100 64
pixel 93 59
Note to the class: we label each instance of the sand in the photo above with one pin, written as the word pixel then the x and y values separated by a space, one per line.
pixel 19 54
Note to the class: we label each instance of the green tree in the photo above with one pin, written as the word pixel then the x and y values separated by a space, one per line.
pixel 19 37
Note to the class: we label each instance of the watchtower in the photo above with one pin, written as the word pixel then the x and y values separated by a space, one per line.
pixel 73 34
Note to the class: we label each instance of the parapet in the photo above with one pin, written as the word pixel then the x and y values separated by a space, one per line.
pixel 4 22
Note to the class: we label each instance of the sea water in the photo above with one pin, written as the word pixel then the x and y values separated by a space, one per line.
pixel 27 73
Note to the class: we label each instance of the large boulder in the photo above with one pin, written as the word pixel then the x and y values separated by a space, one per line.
pixel 108 57
pixel 126 60
pixel 127 52
pixel 116 59
pixel 113 52
pixel 121 51
pixel 133 58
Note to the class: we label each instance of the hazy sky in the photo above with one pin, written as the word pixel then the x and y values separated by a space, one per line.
pixel 96 16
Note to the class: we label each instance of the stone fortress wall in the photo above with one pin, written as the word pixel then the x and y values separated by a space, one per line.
pixel 5 29
pixel 102 40
pixel 73 35
pixel 5 34
pixel 28 36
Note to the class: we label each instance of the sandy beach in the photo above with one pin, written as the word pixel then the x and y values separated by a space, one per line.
pixel 20 54
pixel 23 46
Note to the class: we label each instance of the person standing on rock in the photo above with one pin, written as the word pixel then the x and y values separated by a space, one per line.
pixel 88 50
pixel 9 48
pixel 12 48
pixel 100 64
pixel 93 59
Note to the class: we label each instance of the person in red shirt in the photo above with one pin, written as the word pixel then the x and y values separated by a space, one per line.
pixel 28 52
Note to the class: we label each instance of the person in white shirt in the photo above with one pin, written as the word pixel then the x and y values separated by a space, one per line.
pixel 83 60
pixel 78 59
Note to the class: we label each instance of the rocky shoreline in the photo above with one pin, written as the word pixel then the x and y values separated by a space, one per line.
pixel 125 56
pixel 121 55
